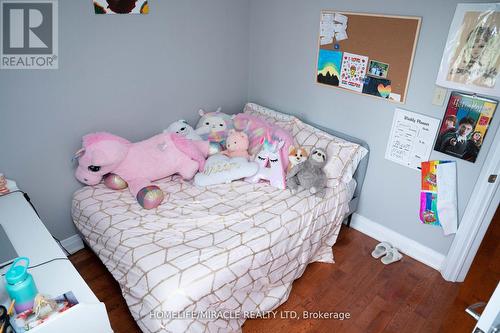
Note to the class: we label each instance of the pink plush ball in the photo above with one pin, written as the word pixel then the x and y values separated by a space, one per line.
pixel 115 182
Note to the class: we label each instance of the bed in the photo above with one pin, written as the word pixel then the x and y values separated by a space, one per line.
pixel 209 258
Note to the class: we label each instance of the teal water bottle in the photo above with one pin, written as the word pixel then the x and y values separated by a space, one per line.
pixel 20 285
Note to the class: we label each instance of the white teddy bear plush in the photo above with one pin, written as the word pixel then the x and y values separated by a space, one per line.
pixel 182 127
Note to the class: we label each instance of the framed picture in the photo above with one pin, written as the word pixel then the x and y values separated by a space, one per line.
pixel 471 60
pixel 121 6
pixel 464 126
pixel 378 69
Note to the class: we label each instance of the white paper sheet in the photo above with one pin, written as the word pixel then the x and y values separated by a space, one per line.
pixel 332 26
pixel 411 139
pixel 446 176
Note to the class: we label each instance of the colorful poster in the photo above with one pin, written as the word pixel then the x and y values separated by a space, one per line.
pixel 377 87
pixel 465 124
pixel 121 7
pixel 329 63
pixel 438 197
pixel 353 71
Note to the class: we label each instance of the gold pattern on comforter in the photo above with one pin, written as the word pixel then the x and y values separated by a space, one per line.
pixel 208 257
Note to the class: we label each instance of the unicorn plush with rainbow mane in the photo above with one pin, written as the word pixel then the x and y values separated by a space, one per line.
pixel 270 164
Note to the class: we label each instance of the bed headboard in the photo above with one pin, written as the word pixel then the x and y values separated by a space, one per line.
pixel 360 173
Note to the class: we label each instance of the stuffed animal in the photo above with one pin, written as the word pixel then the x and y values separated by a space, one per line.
pixel 183 128
pixel 270 165
pixel 236 144
pixel 296 155
pixel 309 174
pixel 138 164
pixel 259 129
pixel 214 126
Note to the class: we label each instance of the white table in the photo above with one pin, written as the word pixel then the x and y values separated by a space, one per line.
pixel 31 239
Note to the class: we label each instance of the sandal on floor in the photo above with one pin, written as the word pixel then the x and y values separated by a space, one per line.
pixel 381 249
pixel 392 255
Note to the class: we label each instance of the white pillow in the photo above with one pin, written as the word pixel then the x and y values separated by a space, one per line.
pixel 220 169
pixel 343 156
pixel 284 121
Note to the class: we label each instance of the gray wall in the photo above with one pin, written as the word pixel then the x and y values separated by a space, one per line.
pixel 283 50
pixel 131 75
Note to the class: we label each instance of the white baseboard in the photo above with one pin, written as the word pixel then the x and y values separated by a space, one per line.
pixel 73 244
pixel 406 245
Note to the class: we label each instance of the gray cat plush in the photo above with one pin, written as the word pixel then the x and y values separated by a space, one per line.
pixel 309 174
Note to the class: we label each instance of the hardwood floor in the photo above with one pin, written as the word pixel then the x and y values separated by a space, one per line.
pixel 481 281
pixel 403 297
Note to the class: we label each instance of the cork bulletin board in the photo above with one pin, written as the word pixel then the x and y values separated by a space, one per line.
pixel 367 54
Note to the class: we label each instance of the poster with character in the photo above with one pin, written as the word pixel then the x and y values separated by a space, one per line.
pixel 471 59
pixel 353 71
pixel 464 126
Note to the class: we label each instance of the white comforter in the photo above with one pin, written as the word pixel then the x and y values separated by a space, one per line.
pixel 207 259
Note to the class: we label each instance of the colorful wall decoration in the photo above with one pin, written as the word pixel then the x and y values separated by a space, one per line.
pixel 464 126
pixel 121 7
pixel 329 64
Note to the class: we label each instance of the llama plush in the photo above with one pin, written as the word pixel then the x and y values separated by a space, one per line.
pixel 270 165
pixel 236 144
pixel 136 165
pixel 214 126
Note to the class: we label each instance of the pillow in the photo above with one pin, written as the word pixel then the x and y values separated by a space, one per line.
pixel 282 120
pixel 258 129
pixel 343 156
pixel 220 169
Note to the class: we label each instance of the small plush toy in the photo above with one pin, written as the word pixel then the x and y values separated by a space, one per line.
pixel 214 126
pixel 183 128
pixel 296 155
pixel 309 174
pixel 236 144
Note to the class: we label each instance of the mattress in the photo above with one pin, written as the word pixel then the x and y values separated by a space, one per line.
pixel 208 258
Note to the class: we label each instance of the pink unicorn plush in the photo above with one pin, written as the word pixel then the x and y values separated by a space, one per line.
pixel 136 165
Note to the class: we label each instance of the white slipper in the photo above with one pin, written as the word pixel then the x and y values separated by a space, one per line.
pixel 381 249
pixel 392 255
